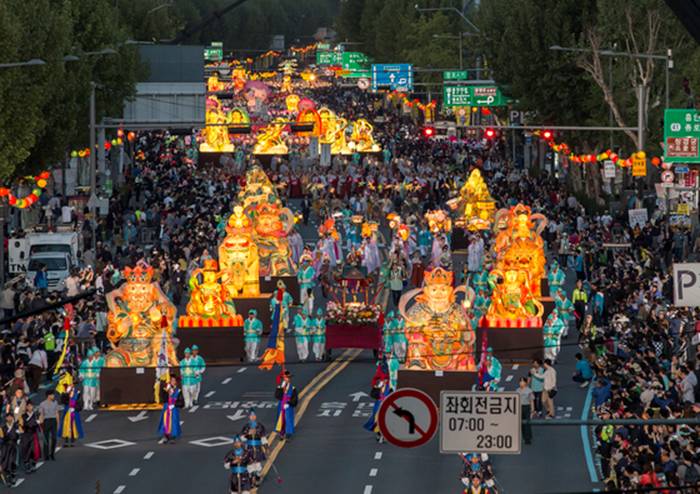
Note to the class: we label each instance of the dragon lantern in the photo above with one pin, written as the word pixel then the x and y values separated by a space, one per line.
pixel 238 255
pixel 475 207
pixel 438 331
pixel 139 321
pixel 519 246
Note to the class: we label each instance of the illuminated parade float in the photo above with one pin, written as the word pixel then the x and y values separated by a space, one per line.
pixel 438 338
pixel 140 328
pixel 513 322
pixel 474 209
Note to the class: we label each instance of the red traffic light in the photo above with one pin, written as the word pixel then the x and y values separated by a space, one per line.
pixel 547 134
pixel 490 133
pixel 428 131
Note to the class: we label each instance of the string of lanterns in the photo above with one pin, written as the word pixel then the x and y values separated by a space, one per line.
pixel 564 149
pixel 39 183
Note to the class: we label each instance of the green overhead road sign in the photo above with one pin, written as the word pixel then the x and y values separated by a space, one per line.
pixel 456 95
pixel 681 136
pixel 323 47
pixel 455 75
pixel 327 58
pixel 215 52
pixel 354 60
pixel 357 74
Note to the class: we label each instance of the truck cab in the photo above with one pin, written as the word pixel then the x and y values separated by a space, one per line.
pixel 58 267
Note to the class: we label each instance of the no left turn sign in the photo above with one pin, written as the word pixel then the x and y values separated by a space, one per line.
pixel 408 418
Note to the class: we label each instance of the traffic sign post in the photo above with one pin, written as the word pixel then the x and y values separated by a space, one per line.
pixel 327 58
pixel 398 77
pixel 480 422
pixel 681 136
pixel 408 418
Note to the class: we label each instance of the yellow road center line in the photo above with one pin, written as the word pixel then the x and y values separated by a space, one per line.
pixel 349 356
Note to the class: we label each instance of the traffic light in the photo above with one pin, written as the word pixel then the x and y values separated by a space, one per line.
pixel 489 133
pixel 547 135
pixel 428 132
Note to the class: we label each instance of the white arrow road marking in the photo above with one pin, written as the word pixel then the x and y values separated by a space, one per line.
pixel 141 416
pixel 238 415
pixel 357 396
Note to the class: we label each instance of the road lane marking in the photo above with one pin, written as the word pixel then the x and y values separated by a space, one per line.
pixel 119 489
pixel 378 455
pixel 373 472
pixel 194 408
pixel 134 472
pixel 18 482
pixel 515 366
pixel 509 378
pixel 209 394
pixel 38 465
pixel 148 455
pixel 323 378
pixel 242 369
pixel 226 381
pixel 368 489
pixel 91 417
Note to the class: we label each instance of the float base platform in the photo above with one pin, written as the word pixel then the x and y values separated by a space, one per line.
pixel 432 382
pixel 513 344
pixel 367 336
pixel 217 345
pixel 128 385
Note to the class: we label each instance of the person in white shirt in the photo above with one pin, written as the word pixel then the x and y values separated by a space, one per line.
pixel 38 363
pixel 550 387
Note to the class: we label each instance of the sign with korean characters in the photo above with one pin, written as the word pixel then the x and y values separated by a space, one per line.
pixel 456 95
pixel 354 60
pixel 639 166
pixel 479 422
pixel 608 169
pixel 455 75
pixel 327 58
pixel 461 95
pixel 681 136
pixel 215 52
pixel 397 77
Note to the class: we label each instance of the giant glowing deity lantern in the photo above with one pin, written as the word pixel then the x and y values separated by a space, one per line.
pixel 139 321
pixel 334 132
pixel 258 189
pixel 272 224
pixel 270 141
pixel 216 139
pixel 361 139
pixel 208 299
pixel 238 257
pixel 519 246
pixel 438 331
pixel 475 207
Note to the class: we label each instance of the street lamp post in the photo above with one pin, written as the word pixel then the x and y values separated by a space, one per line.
pixel 28 63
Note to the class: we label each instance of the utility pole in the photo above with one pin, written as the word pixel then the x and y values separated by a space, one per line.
pixel 92 202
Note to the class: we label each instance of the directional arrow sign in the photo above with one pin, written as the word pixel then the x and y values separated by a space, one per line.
pixel 357 396
pixel 141 416
pixel 238 415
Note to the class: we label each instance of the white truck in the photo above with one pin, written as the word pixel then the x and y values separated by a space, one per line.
pixel 20 250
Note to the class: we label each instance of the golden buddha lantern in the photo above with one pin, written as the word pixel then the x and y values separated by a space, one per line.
pixel 238 257
pixel 474 206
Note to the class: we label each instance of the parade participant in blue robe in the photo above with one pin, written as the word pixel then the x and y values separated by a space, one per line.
pixel 556 278
pixel 71 427
pixel 286 394
pixel 553 329
pixel 491 373
pixel 253 435
pixel 237 461
pixel 387 336
pixel 380 390
pixel 480 282
pixel 318 337
pixel 169 426
pixel 252 333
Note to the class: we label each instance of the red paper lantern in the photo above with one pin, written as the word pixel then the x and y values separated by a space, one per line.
pixel 656 161
pixel 12 200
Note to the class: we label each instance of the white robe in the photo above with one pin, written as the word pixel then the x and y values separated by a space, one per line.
pixel 475 254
